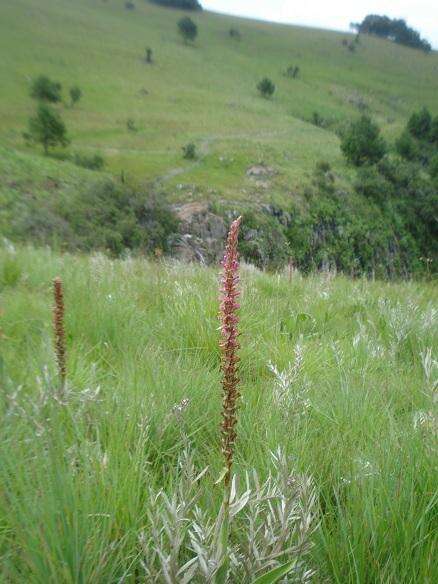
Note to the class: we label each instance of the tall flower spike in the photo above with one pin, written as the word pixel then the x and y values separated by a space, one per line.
pixel 59 331
pixel 229 347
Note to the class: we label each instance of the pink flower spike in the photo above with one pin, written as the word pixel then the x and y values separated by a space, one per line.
pixel 229 346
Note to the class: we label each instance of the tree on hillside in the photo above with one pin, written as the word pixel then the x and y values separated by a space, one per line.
pixel 45 89
pixel 266 87
pixel 47 128
pixel 75 95
pixel 420 124
pixel 183 4
pixel 362 143
pixel 393 29
pixel 148 55
pixel 187 29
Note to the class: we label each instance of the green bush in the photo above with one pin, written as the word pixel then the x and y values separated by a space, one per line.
pixel 434 130
pixel 433 166
pixel 187 29
pixel 407 147
pixel 262 240
pixel 372 184
pixel 362 143
pixel 235 34
pixel 47 128
pixel 189 151
pixel 90 161
pixel 75 95
pixel 266 87
pixel 103 215
pixel 114 217
pixel 420 124
pixel 131 126
pixel 182 4
pixel 45 89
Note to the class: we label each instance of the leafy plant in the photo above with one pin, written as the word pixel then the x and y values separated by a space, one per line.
pixel 47 128
pixel 187 29
pixel 189 151
pixel 75 95
pixel 131 125
pixel 362 143
pixel 90 161
pixel 266 87
pixel 44 89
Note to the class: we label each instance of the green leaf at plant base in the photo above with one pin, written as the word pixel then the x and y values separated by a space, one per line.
pixel 275 574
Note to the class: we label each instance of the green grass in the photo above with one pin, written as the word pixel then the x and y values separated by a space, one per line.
pixel 74 479
pixel 204 93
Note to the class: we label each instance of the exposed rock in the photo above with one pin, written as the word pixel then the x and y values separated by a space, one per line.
pixel 260 170
pixel 201 233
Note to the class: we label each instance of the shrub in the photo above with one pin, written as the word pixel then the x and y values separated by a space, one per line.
pixel 292 71
pixel 187 29
pixel 44 89
pixel 47 128
pixel 114 217
pixel 182 4
pixel 129 5
pixel 189 151
pixel 317 120
pixel 420 124
pixel 130 124
pixel 266 87
pixel 75 95
pixel 372 184
pixel 433 167
pixel 407 147
pixel 235 34
pixel 92 162
pixel 263 242
pixel 434 130
pixel 362 143
pixel 148 55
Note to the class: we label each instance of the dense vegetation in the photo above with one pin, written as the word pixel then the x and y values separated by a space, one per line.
pixel 339 373
pixel 394 29
pixel 182 4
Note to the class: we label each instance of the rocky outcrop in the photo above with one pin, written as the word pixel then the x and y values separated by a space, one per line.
pixel 201 234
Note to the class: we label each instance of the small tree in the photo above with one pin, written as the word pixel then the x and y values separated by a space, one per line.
pixel 148 55
pixel 420 124
pixel 75 95
pixel 407 147
pixel 189 151
pixel 362 143
pixel 47 128
pixel 266 87
pixel 235 34
pixel 187 29
pixel 44 89
pixel 434 130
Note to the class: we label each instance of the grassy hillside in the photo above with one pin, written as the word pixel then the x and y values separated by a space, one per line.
pixel 204 93
pixel 352 404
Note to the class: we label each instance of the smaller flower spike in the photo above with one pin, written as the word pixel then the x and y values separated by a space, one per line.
pixel 59 331
pixel 229 347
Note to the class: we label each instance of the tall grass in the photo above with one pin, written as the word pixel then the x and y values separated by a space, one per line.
pixel 341 374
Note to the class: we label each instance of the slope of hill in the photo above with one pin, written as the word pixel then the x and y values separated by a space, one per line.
pixel 204 93
pixel 252 153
